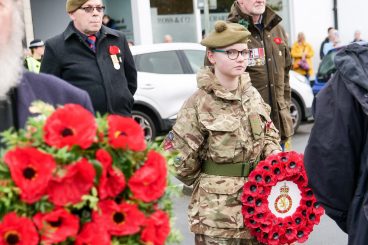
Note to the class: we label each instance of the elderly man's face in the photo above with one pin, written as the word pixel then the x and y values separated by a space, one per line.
pixel 11 35
pixel 252 7
pixel 88 23
pixel 6 8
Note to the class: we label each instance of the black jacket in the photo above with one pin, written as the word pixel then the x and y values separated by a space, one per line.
pixel 321 54
pixel 14 112
pixel 336 157
pixel 69 57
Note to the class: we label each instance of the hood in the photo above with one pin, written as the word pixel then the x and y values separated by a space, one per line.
pixel 270 18
pixel 352 64
pixel 207 81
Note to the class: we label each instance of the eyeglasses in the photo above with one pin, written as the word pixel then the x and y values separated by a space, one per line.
pixel 233 54
pixel 90 9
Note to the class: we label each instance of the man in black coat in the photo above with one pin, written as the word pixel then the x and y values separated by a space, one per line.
pixel 94 58
pixel 18 88
pixel 336 157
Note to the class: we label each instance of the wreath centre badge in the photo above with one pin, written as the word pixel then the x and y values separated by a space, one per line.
pixel 284 199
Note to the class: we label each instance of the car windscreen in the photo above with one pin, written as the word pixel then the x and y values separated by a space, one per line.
pixel 327 66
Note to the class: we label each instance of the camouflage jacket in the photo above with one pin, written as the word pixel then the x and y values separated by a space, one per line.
pixel 214 124
pixel 270 65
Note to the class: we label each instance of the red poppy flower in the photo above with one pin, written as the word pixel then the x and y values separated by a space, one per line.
pixel 251 223
pixel 278 171
pixel 114 50
pixel 307 194
pixel 266 225
pixel 274 236
pixel 56 226
pixel 104 158
pixel 149 182
pixel 156 229
pixel 77 181
pixel 112 181
pixel 290 234
pixel 125 133
pixel 17 230
pixel 277 40
pixel 272 159
pixel 93 234
pixel 31 171
pixel 65 127
pixel 313 218
pixel 119 219
pixel 298 219
pixel 265 165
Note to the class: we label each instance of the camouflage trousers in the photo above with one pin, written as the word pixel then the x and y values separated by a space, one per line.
pixel 201 239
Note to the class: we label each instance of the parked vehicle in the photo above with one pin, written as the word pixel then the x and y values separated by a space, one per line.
pixel 167 77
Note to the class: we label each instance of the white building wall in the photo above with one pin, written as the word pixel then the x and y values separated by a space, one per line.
pixel 352 16
pixel 142 24
pixel 312 17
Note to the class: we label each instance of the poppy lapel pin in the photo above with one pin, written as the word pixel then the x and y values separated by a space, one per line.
pixel 115 55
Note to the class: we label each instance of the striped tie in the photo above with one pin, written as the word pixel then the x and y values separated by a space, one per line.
pixel 92 42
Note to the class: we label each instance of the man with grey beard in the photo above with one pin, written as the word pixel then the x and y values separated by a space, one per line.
pixel 19 88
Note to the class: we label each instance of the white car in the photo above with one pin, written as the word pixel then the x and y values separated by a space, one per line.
pixel 167 77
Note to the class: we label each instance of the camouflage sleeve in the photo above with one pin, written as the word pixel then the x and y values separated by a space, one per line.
pixel 186 140
pixel 272 137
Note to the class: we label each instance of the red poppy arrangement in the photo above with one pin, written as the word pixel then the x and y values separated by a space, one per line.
pixel 75 179
pixel 267 227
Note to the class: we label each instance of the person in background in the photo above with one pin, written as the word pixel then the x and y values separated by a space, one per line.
pixel 18 87
pixel 333 43
pixel 330 31
pixel 357 36
pixel 336 156
pixel 220 134
pixel 302 54
pixel 94 58
pixel 33 62
pixel 270 60
pixel 168 38
pixel 109 22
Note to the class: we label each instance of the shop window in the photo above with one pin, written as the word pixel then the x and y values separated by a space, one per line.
pixel 165 7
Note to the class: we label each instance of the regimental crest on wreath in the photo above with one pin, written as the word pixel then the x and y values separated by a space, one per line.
pixel 283 202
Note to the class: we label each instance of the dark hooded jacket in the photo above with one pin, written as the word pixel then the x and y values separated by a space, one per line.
pixel 336 157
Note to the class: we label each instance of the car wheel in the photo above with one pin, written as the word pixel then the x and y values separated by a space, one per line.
pixel 145 121
pixel 296 113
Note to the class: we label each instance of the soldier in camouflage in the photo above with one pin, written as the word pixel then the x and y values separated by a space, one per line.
pixel 221 132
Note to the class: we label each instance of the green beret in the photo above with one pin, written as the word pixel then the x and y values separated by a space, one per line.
pixel 73 5
pixel 226 34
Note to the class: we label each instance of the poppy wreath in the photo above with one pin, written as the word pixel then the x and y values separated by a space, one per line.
pixel 278 206
pixel 71 178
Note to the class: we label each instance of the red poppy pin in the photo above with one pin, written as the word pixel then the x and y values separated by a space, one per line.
pixel 114 50
pixel 277 40
pixel 115 56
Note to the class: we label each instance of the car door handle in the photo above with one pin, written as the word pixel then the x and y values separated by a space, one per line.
pixel 148 86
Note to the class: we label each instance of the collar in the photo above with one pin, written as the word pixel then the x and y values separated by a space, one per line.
pixel 104 31
pixel 269 18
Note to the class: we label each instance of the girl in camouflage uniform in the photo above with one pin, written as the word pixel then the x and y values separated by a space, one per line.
pixel 221 132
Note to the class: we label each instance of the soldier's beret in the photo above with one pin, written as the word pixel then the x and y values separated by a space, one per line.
pixel 73 5
pixel 226 34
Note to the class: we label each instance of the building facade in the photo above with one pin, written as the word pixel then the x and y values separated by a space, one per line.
pixel 148 21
